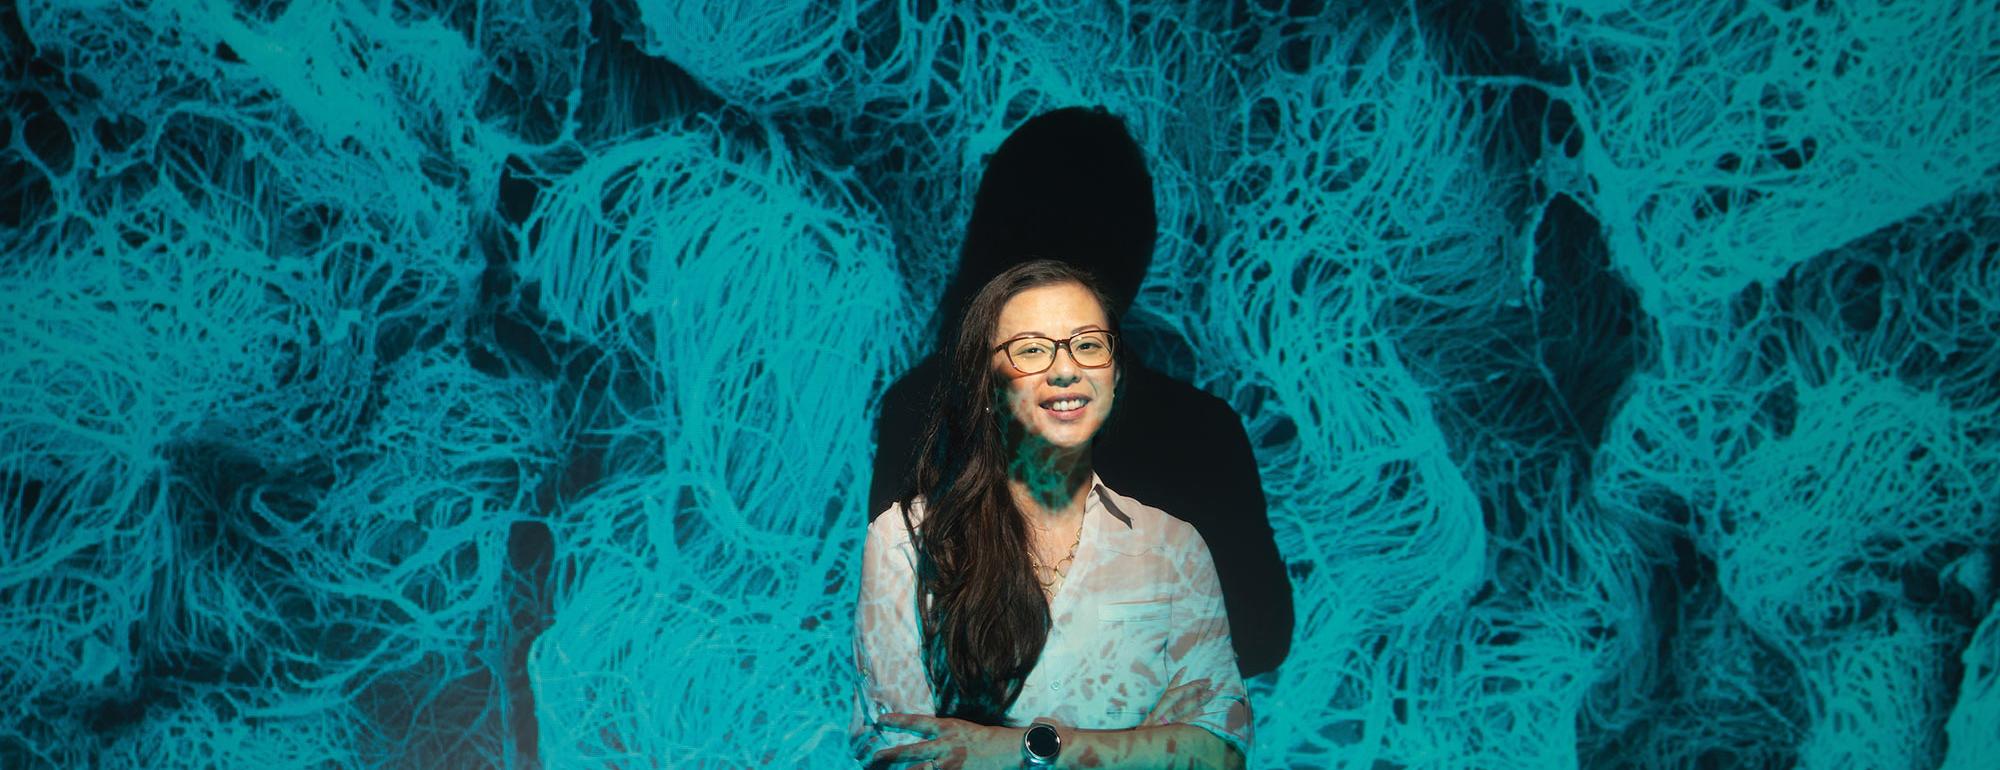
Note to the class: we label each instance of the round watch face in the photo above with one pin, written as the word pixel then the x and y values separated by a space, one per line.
pixel 1043 742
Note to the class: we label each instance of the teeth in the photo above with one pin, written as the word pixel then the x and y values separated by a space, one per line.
pixel 1066 404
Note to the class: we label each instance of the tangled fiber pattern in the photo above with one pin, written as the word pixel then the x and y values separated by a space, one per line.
pixel 489 384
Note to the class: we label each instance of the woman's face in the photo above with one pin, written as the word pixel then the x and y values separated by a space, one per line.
pixel 1065 404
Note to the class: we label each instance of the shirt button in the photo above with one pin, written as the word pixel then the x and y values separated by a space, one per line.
pixel 1055 685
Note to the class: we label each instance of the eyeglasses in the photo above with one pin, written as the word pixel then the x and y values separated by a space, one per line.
pixel 1034 355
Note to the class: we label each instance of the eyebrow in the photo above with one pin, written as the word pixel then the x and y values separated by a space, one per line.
pixel 1077 330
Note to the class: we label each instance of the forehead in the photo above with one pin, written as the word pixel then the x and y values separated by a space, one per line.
pixel 1052 311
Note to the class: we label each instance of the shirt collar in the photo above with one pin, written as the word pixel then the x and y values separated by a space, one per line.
pixel 1102 496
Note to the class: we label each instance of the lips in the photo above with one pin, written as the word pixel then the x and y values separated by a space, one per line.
pixel 1067 407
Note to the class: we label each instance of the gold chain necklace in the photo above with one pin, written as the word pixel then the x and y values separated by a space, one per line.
pixel 1059 571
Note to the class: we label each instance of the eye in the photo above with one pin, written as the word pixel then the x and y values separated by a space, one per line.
pixel 1030 349
pixel 1088 344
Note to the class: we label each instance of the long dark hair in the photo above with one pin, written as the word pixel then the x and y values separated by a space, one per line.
pixel 984 621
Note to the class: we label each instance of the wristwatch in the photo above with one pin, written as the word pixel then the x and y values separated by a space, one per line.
pixel 1041 745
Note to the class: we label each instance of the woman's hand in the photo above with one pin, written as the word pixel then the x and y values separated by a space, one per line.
pixel 951 744
pixel 1181 702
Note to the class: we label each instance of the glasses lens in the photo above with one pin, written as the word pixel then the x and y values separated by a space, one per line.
pixel 1091 348
pixel 1031 354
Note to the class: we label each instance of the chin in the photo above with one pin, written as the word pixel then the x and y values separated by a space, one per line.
pixel 1069 435
pixel 1066 441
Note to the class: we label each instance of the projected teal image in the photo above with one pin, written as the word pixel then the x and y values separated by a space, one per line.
pixel 432 384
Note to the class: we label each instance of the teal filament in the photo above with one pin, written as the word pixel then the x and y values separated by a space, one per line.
pixel 440 384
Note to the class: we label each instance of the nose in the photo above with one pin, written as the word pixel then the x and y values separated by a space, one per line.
pixel 1064 370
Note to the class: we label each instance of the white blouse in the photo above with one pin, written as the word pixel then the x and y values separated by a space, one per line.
pixel 1140 603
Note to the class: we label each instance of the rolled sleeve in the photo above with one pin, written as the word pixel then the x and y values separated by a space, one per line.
pixel 1201 647
pixel 887 658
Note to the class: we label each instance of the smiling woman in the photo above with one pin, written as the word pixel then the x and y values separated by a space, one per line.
pixel 1018 611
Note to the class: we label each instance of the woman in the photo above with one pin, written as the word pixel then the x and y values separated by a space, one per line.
pixel 1018 612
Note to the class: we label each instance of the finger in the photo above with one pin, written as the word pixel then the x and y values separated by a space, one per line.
pixel 1197 689
pixel 1173 697
pixel 915 724
pixel 906 753
pixel 1179 707
pixel 1188 702
pixel 1162 710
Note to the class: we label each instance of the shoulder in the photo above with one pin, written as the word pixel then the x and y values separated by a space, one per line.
pixel 889 529
pixel 888 555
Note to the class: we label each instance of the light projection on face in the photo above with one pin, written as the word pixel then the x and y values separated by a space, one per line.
pixel 1059 409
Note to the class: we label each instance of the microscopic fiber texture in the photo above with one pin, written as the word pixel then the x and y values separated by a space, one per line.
pixel 451 384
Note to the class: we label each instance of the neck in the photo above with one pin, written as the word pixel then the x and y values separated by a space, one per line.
pixel 1050 483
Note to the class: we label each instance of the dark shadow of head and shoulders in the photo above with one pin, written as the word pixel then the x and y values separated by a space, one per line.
pixel 1073 185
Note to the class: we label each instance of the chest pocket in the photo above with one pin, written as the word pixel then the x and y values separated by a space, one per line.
pixel 1139 632
pixel 1150 611
pixel 1138 629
